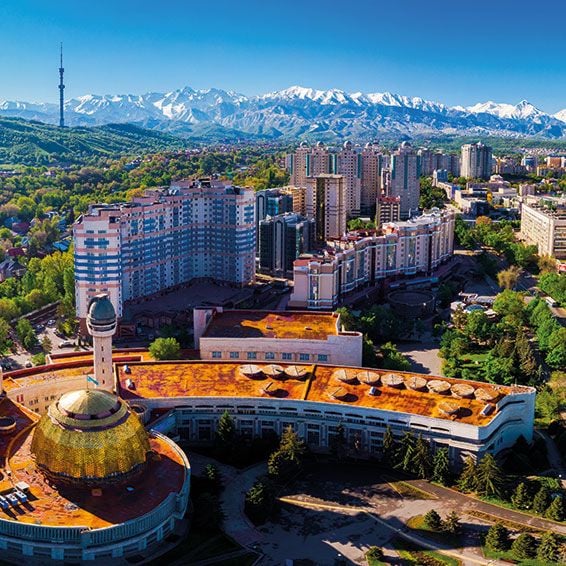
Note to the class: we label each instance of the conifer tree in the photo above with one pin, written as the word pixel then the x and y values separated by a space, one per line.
pixel 406 452
pixel 441 467
pixel 388 448
pixel 524 546
pixel 452 523
pixel 521 497
pixel 489 477
pixel 497 538
pixel 468 477
pixel 556 510
pixel 541 500
pixel 432 520
pixel 225 431
pixel 549 548
pixel 422 462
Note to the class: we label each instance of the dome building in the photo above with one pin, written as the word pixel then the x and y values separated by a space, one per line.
pixel 90 438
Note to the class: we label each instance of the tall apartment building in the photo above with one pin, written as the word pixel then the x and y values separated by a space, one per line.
pixel 281 240
pixel 299 197
pixel 432 160
pixel 194 229
pixel 404 179
pixel 418 245
pixel 350 167
pixel 322 161
pixel 299 165
pixel 372 164
pixel 272 202
pixel 476 161
pixel 545 227
pixel 326 203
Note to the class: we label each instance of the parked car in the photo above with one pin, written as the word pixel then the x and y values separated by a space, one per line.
pixel 51 322
pixel 29 364
pixel 65 344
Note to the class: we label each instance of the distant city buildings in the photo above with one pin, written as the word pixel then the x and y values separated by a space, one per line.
pixel 373 162
pixel 476 161
pixel 404 178
pixel 326 203
pixel 349 166
pixel 272 202
pixel 543 224
pixel 167 237
pixel 281 239
pixel 432 160
pixel 419 245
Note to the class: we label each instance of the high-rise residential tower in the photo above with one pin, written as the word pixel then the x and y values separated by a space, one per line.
pixel 476 161
pixel 299 165
pixel 61 91
pixel 404 179
pixel 326 202
pixel 349 166
pixel 372 164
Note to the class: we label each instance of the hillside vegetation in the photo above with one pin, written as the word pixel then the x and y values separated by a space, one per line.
pixel 34 143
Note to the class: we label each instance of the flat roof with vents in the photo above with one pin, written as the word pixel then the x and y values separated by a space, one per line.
pixel 272 324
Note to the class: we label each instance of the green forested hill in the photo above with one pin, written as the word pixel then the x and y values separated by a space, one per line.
pixel 34 143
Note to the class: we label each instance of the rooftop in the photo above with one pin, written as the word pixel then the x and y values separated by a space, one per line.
pixel 64 506
pixel 272 324
pixel 224 379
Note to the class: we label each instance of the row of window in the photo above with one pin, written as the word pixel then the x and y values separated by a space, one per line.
pixel 287 356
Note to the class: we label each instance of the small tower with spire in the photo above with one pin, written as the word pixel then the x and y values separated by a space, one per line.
pixel 61 90
pixel 101 324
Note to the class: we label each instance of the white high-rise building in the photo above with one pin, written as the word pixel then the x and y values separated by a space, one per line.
pixel 320 161
pixel 476 161
pixel 349 166
pixel 404 179
pixel 326 203
pixel 167 237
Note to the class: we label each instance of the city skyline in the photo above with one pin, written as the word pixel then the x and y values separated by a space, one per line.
pixel 446 54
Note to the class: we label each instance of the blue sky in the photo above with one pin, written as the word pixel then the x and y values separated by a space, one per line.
pixel 448 51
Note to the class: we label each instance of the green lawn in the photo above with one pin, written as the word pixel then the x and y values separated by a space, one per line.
pixel 418 556
pixel 508 556
pixel 417 524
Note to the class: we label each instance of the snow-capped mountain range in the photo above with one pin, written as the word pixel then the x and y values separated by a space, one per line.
pixel 296 112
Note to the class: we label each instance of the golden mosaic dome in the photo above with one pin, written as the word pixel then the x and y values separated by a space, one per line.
pixel 90 437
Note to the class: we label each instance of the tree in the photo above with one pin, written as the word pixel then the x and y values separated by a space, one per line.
pixel 546 264
pixel 524 546
pixel 212 476
pixel 510 305
pixel 225 432
pixel 497 538
pixel 5 341
pixel 441 467
pixel 46 344
pixel 259 501
pixel 287 459
pixel 549 548
pixel 338 442
pixel 422 462
pixel 541 500
pixel 432 520
pixel 489 477
pixel 527 362
pixel 507 278
pixel 393 359
pixel 8 309
pixel 165 349
pixel 388 448
pixel 26 334
pixel 207 513
pixel 521 497
pixel 556 510
pixel 406 452
pixel 374 553
pixel 468 477
pixel 452 523
pixel 556 356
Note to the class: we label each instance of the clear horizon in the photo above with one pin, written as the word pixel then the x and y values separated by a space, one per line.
pixel 444 53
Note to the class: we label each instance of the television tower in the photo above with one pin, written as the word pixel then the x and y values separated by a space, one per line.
pixel 61 91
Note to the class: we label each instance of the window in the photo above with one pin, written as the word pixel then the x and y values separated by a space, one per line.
pixel 286 356
pixel 252 355
pixel 269 356
pixel 323 357
pixel 234 355
pixel 304 357
pixel 216 355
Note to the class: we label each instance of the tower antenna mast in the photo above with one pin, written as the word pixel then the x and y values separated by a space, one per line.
pixel 61 90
